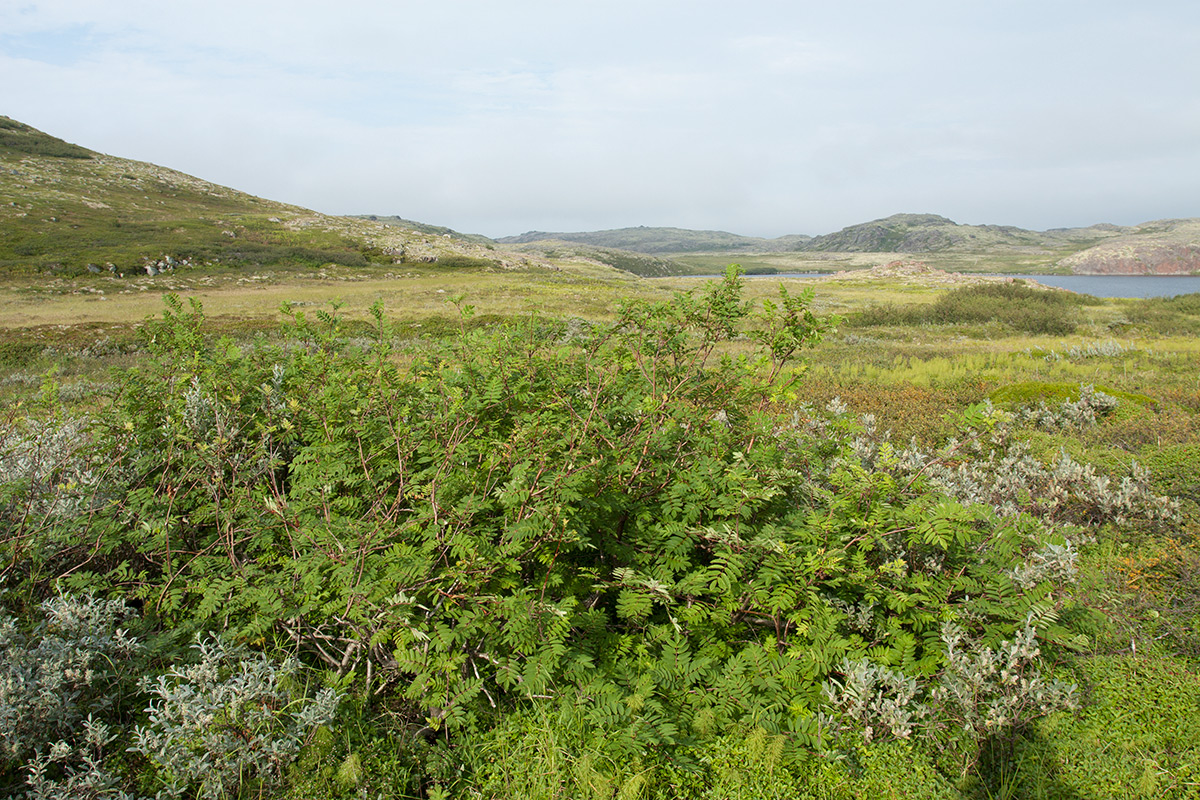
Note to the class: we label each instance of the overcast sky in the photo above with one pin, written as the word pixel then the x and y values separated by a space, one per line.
pixel 761 117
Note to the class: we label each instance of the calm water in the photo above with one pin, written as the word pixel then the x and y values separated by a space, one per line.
pixel 1121 285
pixel 1096 285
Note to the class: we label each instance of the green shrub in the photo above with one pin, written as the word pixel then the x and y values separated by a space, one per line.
pixel 458 261
pixel 619 519
pixel 1015 305
pixel 1167 316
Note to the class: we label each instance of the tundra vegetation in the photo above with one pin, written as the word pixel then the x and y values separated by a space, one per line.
pixel 715 543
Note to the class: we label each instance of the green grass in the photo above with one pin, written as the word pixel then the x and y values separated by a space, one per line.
pixel 16 137
pixel 1137 736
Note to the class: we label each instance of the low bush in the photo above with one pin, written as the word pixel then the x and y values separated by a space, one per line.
pixel 1177 316
pixel 228 723
pixel 456 261
pixel 1015 305
pixel 73 667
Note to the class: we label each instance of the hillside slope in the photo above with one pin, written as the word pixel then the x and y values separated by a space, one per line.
pixel 1165 247
pixel 645 265
pixel 66 210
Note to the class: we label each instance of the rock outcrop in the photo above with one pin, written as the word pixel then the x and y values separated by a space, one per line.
pixel 1166 247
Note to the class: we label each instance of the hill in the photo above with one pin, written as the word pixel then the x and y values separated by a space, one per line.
pixel 20 138
pixel 656 241
pixel 424 227
pixel 66 210
pixel 643 264
pixel 1165 247
pixel 920 233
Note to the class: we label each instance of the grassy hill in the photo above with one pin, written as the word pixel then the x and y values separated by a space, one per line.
pixel 637 263
pixel 65 210
pixel 20 138
pixel 656 241
pixel 424 227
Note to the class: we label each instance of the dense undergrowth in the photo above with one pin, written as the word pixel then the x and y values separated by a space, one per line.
pixel 542 559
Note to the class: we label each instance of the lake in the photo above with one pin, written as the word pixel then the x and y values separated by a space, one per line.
pixel 1121 285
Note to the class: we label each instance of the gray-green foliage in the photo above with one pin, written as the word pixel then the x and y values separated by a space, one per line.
pixel 81 771
pixel 232 719
pixel 980 691
pixel 1108 349
pixel 991 466
pixel 47 468
pixel 62 671
pixel 1013 481
pixel 1070 414
pixel 987 690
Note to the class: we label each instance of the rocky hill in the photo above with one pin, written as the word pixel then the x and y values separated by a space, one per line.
pixel 1165 247
pixel 644 264
pixel 424 227
pixel 920 233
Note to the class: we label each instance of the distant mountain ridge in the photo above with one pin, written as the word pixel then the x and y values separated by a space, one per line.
pixel 656 241
pixel 1163 247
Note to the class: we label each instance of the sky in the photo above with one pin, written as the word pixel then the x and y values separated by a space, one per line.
pixel 764 117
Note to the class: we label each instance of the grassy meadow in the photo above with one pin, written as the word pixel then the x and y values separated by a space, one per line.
pixel 563 534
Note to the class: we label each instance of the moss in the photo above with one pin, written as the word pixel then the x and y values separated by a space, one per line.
pixel 1032 392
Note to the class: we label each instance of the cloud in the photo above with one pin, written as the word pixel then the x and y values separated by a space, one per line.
pixel 774 118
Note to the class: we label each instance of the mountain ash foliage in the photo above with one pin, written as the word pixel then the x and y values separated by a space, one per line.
pixel 628 520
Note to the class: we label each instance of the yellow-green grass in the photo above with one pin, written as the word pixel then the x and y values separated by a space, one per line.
pixel 1044 262
pixel 410 294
